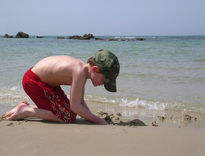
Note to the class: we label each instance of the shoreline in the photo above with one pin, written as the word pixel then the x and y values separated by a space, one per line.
pixel 166 118
pixel 84 138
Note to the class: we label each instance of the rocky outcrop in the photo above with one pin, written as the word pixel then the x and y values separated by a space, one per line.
pixel 8 36
pixel 88 36
pixel 39 36
pixel 113 39
pixel 140 39
pixel 84 37
pixel 18 35
pixel 99 39
pixel 75 37
pixel 22 35
pixel 60 37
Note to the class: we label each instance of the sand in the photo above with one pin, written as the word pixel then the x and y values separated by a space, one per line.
pixel 40 138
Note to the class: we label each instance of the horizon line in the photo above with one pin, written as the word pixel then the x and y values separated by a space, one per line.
pixel 106 35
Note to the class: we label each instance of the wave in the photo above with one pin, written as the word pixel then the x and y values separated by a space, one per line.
pixel 11 94
pixel 14 88
pixel 143 104
pixel 125 37
pixel 161 106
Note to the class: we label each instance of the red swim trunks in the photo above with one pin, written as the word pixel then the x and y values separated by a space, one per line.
pixel 48 97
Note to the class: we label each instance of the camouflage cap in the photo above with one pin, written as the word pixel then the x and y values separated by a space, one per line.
pixel 109 66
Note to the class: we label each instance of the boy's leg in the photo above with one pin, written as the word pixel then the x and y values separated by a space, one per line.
pixel 23 110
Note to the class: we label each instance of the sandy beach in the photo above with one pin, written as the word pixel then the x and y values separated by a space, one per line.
pixel 82 138
pixel 137 64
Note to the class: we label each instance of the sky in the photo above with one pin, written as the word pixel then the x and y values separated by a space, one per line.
pixel 103 17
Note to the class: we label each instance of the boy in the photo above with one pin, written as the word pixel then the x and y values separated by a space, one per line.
pixel 42 84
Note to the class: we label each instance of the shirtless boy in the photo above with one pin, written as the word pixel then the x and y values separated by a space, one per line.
pixel 42 84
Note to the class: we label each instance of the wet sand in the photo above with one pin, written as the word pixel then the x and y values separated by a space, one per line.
pixel 37 137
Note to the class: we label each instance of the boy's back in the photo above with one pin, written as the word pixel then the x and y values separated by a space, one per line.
pixel 58 70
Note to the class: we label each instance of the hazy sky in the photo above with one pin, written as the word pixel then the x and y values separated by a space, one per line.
pixel 103 17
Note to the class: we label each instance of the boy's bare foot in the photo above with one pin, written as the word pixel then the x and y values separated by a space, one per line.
pixel 12 111
pixel 21 112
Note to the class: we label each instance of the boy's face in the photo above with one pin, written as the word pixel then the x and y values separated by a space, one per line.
pixel 96 78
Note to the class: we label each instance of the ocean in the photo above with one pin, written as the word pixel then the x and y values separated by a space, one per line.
pixel 157 74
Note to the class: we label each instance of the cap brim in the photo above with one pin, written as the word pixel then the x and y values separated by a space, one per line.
pixel 110 85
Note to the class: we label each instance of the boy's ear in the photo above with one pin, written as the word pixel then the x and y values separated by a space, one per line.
pixel 94 69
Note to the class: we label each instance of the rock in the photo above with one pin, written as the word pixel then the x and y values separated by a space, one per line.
pixel 75 37
pixel 154 123
pixel 60 37
pixel 136 122
pixel 8 36
pixel 22 35
pixel 113 39
pixel 84 37
pixel 39 36
pixel 99 39
pixel 88 36
pixel 140 39
pixel 187 117
pixel 161 118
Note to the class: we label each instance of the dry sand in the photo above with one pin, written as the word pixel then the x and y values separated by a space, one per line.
pixel 39 138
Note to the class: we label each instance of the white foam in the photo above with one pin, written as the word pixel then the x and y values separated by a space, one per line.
pixel 143 104
pixel 14 88
pixel 125 37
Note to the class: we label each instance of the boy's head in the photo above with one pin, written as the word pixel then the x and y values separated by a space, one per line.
pixel 109 67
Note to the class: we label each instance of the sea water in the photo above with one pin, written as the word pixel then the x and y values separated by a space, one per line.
pixel 156 74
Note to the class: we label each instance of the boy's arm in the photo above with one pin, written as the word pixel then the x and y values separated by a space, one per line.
pixel 78 84
pixel 82 99
pixel 84 104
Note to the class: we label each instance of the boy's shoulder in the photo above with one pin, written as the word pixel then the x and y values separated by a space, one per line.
pixel 77 67
pixel 79 76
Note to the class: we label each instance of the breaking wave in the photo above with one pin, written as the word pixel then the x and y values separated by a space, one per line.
pixel 143 104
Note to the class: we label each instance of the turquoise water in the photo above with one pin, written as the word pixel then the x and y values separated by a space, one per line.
pixel 159 73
